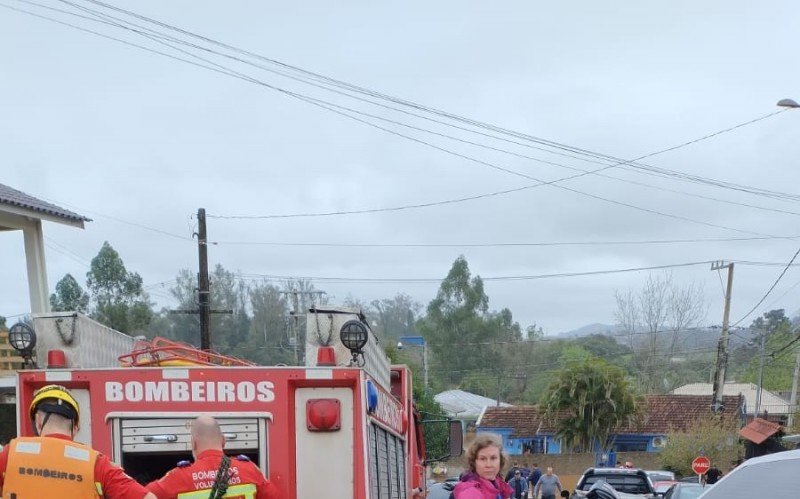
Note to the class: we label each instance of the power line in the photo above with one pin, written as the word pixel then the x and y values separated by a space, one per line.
pixel 425 280
pixel 318 78
pixel 783 272
pixel 486 279
pixel 494 245
pixel 555 362
pixel 326 104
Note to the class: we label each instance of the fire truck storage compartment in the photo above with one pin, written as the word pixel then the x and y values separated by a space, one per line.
pixel 149 447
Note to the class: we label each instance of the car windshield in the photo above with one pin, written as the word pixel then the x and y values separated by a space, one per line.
pixel 630 484
pixel 660 477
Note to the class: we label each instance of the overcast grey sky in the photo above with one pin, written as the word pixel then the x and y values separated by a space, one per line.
pixel 117 133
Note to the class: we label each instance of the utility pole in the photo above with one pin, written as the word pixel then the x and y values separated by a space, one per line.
pixel 203 286
pixel 760 372
pixel 722 347
pixel 204 291
pixel 793 397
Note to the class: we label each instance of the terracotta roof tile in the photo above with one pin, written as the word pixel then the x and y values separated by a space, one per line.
pixel 758 430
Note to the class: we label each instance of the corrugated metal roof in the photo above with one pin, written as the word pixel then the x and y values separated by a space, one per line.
pixel 770 402
pixel 464 404
pixel 13 197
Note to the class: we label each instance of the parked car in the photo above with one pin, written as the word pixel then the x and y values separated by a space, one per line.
pixel 686 491
pixel 601 490
pixel 774 475
pixel 663 486
pixel 629 483
pixel 440 490
pixel 660 475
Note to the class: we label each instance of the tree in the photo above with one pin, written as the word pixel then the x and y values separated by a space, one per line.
pixel 119 301
pixel 69 296
pixel 269 326
pixel 717 439
pixel 256 329
pixel 462 334
pixel 590 398
pixel 778 360
pixel 395 317
pixel 661 312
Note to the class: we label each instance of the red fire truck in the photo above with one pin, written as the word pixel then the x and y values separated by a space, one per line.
pixel 341 427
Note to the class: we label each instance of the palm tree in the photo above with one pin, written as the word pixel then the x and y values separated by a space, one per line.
pixel 589 400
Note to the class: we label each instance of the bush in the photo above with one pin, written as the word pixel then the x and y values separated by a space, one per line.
pixel 717 439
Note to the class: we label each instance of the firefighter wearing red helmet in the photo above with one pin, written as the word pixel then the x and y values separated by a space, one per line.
pixel 213 474
pixel 51 464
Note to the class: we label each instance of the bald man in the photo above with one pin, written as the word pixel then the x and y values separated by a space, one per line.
pixel 212 471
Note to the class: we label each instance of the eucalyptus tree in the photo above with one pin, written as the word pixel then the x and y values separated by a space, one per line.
pixel 118 299
pixel 69 296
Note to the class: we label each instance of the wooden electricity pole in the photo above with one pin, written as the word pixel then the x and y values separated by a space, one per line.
pixel 722 347
pixel 204 291
pixel 203 285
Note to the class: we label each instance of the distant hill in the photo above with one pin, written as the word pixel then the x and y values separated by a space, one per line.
pixel 692 338
pixel 590 329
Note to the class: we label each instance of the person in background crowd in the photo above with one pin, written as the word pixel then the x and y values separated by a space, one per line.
pixel 73 470
pixel 516 467
pixel 483 481
pixel 548 484
pixel 209 477
pixel 712 475
pixel 519 484
pixel 533 478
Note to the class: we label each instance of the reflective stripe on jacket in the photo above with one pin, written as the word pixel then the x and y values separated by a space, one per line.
pixel 242 491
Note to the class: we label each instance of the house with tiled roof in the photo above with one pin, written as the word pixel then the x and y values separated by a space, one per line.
pixel 525 429
pixel 770 405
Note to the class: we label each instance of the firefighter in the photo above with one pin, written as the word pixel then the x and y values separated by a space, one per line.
pixel 213 474
pixel 51 464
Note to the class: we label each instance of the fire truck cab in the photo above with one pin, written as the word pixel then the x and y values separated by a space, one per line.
pixel 343 426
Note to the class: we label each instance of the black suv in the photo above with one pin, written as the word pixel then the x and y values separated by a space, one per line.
pixel 629 483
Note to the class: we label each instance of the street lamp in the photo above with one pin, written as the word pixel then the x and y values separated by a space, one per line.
pixel 420 342
pixel 788 103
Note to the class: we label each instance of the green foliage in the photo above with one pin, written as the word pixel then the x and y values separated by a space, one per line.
pixel 3 326
pixel 589 399
pixel 436 430
pixel 534 332
pixel 118 298
pixel 69 296
pixel 604 346
pixel 778 368
pixel 257 328
pixel 573 355
pixel 462 334
pixel 715 438
pixel 394 317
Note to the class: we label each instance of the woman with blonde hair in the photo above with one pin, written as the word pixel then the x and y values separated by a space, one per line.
pixel 486 461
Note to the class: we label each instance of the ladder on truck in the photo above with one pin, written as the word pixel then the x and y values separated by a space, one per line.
pixel 161 352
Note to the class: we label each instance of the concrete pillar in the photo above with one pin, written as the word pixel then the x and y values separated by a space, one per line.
pixel 37 268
